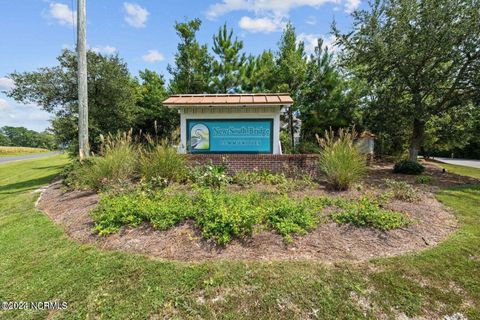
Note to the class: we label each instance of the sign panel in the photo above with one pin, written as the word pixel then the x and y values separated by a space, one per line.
pixel 230 135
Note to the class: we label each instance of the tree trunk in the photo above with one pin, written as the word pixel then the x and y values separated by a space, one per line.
pixel 417 139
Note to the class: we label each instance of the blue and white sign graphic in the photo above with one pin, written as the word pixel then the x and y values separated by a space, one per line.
pixel 230 136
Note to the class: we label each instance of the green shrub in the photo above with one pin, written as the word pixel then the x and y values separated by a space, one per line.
pixel 210 176
pixel 223 216
pixel 408 167
pixel 289 217
pixel 423 180
pixel 340 160
pixel 164 162
pixel 366 212
pixel 162 210
pixel 74 173
pixel 401 190
pixel 116 164
pixel 245 178
pixel 166 211
pixel 113 212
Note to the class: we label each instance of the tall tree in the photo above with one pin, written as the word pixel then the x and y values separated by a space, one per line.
pixel 259 75
pixel 152 117
pixel 327 99
pixel 291 71
pixel 423 54
pixel 191 73
pixel 228 69
pixel 111 95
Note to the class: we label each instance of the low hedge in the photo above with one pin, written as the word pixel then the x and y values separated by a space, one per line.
pixel 408 167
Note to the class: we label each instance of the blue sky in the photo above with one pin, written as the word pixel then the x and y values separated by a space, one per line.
pixel 35 31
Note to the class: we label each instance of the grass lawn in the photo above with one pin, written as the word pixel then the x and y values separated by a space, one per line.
pixel 460 170
pixel 39 263
pixel 20 151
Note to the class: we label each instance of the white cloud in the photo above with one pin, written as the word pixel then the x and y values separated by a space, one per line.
pixel 311 41
pixel 265 25
pixel 269 15
pixel 21 115
pixel 4 104
pixel 63 14
pixel 311 20
pixel 279 8
pixel 136 15
pixel 6 84
pixel 104 49
pixel 351 5
pixel 153 56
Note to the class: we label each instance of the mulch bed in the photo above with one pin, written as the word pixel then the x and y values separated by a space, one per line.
pixel 329 242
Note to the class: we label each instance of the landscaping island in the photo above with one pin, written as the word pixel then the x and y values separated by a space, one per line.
pixel 205 214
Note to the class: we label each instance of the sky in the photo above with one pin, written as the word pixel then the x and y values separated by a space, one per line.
pixel 33 33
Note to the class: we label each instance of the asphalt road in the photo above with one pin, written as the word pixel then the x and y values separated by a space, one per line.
pixel 460 162
pixel 26 157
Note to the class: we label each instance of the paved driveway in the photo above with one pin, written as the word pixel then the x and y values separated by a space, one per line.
pixel 30 156
pixel 460 162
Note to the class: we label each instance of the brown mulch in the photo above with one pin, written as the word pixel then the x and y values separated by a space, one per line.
pixel 329 242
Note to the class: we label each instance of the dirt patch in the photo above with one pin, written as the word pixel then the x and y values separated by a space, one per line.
pixel 330 242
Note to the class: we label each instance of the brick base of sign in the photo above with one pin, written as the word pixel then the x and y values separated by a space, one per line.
pixel 291 164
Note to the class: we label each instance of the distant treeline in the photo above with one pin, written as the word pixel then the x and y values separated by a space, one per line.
pixel 22 137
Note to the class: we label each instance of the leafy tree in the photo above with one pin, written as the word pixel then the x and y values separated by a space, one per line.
pixel 291 71
pixel 4 140
pixel 259 75
pixel 327 100
pixel 22 137
pixel 451 130
pixel 152 117
pixel 424 55
pixel 228 69
pixel 191 73
pixel 111 95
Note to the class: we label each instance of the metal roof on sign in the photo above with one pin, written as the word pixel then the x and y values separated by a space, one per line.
pixel 243 99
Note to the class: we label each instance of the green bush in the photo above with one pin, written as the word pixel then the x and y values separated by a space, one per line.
pixel 340 160
pixel 113 212
pixel 163 161
pixel 289 217
pixel 408 167
pixel 166 210
pixel 223 216
pixel 210 176
pixel 116 165
pixel 401 190
pixel 423 180
pixel 367 212
pixel 162 210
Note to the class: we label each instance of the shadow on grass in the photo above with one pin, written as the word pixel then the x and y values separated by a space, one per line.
pixel 22 186
pixel 59 166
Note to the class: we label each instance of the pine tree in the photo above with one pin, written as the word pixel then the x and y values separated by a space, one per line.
pixel 191 73
pixel 291 70
pixel 229 67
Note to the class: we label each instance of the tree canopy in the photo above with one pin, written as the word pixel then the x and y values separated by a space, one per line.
pixel 422 57
pixel 22 137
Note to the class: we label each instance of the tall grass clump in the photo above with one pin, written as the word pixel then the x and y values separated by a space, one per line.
pixel 340 159
pixel 116 164
pixel 162 161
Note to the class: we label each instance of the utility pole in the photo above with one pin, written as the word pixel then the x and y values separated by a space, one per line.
pixel 84 148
